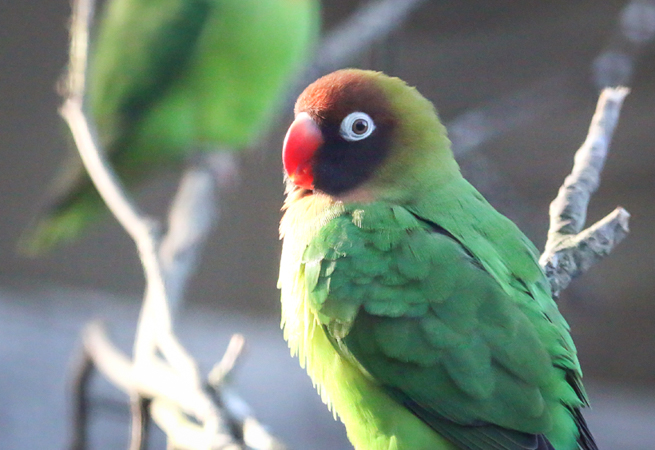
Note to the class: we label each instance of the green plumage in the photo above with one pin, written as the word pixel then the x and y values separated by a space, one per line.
pixel 422 314
pixel 168 78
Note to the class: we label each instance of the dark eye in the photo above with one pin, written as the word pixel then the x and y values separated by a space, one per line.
pixel 360 126
pixel 356 126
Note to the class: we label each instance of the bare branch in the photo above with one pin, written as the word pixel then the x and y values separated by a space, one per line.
pixel 175 380
pixel 253 433
pixel 569 210
pixel 73 81
pixel 575 256
pixel 140 422
pixel 125 211
pixel 183 434
pixel 155 380
pixel 82 369
pixel 191 219
pixel 143 231
pixel 569 251
pixel 224 367
pixel 256 437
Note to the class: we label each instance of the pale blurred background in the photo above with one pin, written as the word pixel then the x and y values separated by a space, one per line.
pixel 538 56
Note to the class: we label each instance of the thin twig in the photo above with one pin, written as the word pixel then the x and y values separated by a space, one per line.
pixel 82 369
pixel 191 218
pixel 139 432
pixel 183 434
pixel 225 366
pixel 154 331
pixel 155 381
pixel 570 251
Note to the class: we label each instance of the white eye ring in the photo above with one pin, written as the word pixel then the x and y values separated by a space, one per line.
pixel 356 126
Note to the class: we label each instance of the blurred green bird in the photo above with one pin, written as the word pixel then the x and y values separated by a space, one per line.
pixel 168 78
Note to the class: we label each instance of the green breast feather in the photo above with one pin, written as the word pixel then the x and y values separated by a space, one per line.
pixel 418 318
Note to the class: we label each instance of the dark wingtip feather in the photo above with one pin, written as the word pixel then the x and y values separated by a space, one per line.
pixel 543 443
pixel 586 440
pixel 479 436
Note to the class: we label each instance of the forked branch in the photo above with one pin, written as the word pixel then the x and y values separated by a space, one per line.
pixel 569 250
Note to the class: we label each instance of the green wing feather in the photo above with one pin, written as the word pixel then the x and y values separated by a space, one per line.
pixel 140 49
pixel 403 299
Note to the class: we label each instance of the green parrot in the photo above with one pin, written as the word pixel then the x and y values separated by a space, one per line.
pixel 168 78
pixel 419 311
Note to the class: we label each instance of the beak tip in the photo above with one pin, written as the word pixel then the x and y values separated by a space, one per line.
pixel 300 145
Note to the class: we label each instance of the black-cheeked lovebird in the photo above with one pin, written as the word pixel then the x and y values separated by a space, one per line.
pixel 419 311
pixel 168 78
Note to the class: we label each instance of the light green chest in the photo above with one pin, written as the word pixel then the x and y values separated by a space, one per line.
pixel 373 420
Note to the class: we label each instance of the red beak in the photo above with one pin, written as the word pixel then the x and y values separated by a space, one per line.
pixel 302 140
